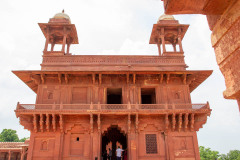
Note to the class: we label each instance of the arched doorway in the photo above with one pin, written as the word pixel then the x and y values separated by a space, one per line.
pixel 113 137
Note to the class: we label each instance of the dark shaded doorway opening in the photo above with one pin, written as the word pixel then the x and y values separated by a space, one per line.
pixel 148 96
pixel 114 96
pixel 113 138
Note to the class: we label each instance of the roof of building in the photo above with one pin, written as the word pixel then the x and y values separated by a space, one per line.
pixel 6 145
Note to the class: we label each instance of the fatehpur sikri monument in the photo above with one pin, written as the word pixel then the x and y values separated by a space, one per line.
pixel 86 104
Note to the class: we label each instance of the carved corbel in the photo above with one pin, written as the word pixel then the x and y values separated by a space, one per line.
pixel 190 79
pixel 129 123
pixel 35 122
pixel 134 78
pixel 179 122
pixel 128 78
pixel 100 79
pixel 66 78
pixel 173 122
pixel 41 122
pixel 166 122
pixel 54 122
pixel 192 122
pixel 47 122
pixel 60 78
pixel 161 78
pixel 184 78
pixel 91 123
pixel 99 123
pixel 36 79
pixel 61 122
pixel 93 78
pixel 136 122
pixel 168 78
pixel 186 121
pixel 43 78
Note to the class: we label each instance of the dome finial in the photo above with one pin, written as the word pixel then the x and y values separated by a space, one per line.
pixel 166 17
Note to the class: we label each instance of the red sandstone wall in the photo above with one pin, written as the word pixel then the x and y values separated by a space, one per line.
pixel 83 92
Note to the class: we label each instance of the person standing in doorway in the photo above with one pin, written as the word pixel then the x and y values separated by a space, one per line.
pixel 110 154
pixel 119 153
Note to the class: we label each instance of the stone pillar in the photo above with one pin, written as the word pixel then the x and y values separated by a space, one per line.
pixel 159 49
pixel 52 46
pixel 163 40
pixel 99 136
pixel 68 48
pixel 23 153
pixel 166 146
pixel 9 155
pixel 47 40
pixel 180 40
pixel 129 138
pixel 163 43
pixel 174 47
pixel 91 136
pixel 64 40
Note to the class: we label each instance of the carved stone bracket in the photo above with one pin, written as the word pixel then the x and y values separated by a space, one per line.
pixel 136 122
pixel 41 122
pixel 179 122
pixel 129 123
pixel 173 122
pixel 43 78
pixel 47 122
pixel 35 122
pixel 192 122
pixel 60 78
pixel 54 122
pixel 186 121
pixel 61 122
pixel 161 78
pixel 91 123
pixel 166 122
pixel 99 123
pixel 134 78
pixel 66 78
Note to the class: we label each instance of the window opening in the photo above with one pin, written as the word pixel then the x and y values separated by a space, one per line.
pixel 114 96
pixel 77 139
pixel 151 143
pixel 148 96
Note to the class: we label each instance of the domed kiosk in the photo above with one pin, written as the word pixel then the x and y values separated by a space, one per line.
pixel 168 31
pixel 60 31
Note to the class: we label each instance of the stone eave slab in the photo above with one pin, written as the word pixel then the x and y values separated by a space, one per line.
pixel 193 77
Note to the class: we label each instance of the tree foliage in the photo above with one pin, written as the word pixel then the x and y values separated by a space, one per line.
pixel 9 135
pixel 208 154
pixel 232 155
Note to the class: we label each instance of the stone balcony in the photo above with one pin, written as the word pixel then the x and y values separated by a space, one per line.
pixel 51 117
pixel 112 108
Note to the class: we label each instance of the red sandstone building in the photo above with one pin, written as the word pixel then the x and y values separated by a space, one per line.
pixel 87 104
pixel 14 150
pixel 224 21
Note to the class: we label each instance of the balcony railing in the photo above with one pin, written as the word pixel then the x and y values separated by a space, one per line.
pixel 111 107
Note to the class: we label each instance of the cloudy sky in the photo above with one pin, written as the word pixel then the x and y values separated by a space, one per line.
pixel 109 27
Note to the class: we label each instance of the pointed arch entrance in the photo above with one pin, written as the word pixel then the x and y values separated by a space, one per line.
pixel 112 138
